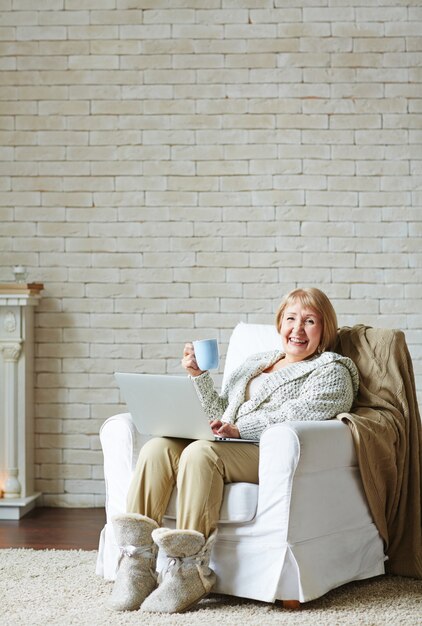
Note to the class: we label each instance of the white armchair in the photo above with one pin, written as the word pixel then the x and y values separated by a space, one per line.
pixel 303 531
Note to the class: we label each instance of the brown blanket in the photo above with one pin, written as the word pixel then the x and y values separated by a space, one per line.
pixel 386 428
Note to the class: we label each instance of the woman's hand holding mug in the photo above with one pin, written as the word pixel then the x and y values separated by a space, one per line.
pixel 200 356
pixel 189 361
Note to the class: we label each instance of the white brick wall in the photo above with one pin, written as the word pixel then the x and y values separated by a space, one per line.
pixel 169 168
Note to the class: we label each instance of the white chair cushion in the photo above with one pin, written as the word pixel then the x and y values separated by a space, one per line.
pixel 239 503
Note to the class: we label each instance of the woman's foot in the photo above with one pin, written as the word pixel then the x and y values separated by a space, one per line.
pixel 187 577
pixel 136 576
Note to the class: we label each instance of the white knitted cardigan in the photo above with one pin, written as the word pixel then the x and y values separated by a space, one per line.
pixel 318 388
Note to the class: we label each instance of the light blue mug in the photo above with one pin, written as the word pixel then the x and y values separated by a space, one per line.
pixel 206 354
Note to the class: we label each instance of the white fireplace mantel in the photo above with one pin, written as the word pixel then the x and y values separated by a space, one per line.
pixel 17 303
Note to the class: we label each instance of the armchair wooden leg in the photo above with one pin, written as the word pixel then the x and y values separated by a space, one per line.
pixel 291 605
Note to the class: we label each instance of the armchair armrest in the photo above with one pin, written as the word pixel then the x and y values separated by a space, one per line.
pixel 312 459
pixel 321 445
pixel 121 443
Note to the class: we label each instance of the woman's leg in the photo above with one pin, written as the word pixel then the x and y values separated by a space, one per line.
pixel 155 477
pixel 204 468
pixel 149 493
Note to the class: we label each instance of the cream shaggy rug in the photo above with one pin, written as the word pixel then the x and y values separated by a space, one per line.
pixel 60 587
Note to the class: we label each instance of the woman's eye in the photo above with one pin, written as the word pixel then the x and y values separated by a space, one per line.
pixel 310 321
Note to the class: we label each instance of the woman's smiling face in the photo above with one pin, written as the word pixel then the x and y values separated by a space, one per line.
pixel 300 331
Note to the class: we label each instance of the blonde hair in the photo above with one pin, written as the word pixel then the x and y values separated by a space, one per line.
pixel 315 299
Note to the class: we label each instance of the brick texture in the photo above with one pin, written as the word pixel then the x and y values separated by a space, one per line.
pixel 171 168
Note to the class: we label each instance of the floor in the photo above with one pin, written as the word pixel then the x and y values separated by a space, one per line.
pixel 48 528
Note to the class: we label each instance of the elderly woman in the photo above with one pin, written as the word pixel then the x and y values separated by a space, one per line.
pixel 303 381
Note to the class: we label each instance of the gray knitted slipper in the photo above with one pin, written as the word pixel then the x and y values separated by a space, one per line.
pixel 136 576
pixel 187 577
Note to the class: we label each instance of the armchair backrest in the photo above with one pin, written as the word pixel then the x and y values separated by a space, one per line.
pixel 247 339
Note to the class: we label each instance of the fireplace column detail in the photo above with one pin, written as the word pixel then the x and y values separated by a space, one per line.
pixel 11 351
pixel 17 303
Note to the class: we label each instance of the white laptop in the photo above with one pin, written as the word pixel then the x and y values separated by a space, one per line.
pixel 167 406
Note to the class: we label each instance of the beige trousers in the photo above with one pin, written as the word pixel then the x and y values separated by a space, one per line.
pixel 199 469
